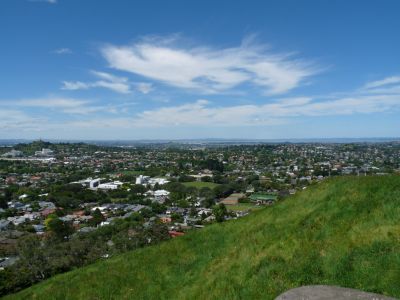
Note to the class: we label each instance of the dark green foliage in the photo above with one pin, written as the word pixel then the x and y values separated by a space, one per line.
pixel 3 202
pixel 213 165
pixel 59 228
pixel 97 217
pixel 220 212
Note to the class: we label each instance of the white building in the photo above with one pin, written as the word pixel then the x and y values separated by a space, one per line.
pixel 110 185
pixel 145 180
pixel 45 152
pixel 161 195
pixel 160 181
pixel 94 183
pixel 141 179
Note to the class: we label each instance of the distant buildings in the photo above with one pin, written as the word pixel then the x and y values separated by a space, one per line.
pixel 13 153
pixel 44 153
pixel 145 180
pixel 97 183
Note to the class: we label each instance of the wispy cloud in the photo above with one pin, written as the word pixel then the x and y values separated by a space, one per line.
pixel 210 70
pixel 16 119
pixel 115 83
pixel 375 97
pixel 205 114
pixel 45 1
pixel 198 114
pixel 383 82
pixel 60 104
pixel 51 102
pixel 62 51
pixel 202 113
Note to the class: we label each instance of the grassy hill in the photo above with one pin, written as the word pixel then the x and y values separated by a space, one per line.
pixel 344 231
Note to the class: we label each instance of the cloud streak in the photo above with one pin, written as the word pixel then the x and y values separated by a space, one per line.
pixel 210 70
pixel 63 51
pixel 108 81
pixel 45 1
pixel 69 106
pixel 383 82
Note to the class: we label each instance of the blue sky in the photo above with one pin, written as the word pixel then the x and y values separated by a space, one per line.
pixel 102 69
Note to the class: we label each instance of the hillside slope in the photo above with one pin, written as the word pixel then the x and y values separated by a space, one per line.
pixel 345 231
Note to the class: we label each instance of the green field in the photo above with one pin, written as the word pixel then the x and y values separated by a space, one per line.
pixel 200 184
pixel 344 231
pixel 243 206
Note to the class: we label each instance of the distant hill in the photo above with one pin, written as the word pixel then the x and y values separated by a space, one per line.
pixel 344 231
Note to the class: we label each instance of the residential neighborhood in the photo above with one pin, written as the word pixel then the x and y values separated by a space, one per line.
pixel 78 192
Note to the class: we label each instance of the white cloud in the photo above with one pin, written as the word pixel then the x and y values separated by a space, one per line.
pixel 198 114
pixel 115 83
pixel 16 119
pixel 61 105
pixel 45 1
pixel 75 85
pixel 383 82
pixel 51 102
pixel 62 51
pixel 210 70
pixel 201 113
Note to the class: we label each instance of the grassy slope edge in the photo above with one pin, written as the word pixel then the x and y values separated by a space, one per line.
pixel 344 231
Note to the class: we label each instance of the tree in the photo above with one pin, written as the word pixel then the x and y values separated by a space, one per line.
pixel 3 203
pixel 193 211
pixel 58 227
pixel 177 218
pixel 223 190
pixel 8 194
pixel 31 258
pixel 97 217
pixel 208 202
pixel 220 212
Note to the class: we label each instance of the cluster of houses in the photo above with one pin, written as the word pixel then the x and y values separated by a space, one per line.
pixel 25 214
pixel 45 154
pixel 99 184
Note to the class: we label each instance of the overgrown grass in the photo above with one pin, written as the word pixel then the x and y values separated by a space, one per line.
pixel 345 232
pixel 200 184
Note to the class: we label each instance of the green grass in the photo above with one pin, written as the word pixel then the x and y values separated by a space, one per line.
pixel 200 184
pixel 243 206
pixel 345 231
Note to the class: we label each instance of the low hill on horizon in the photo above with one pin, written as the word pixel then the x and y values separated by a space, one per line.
pixel 344 231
